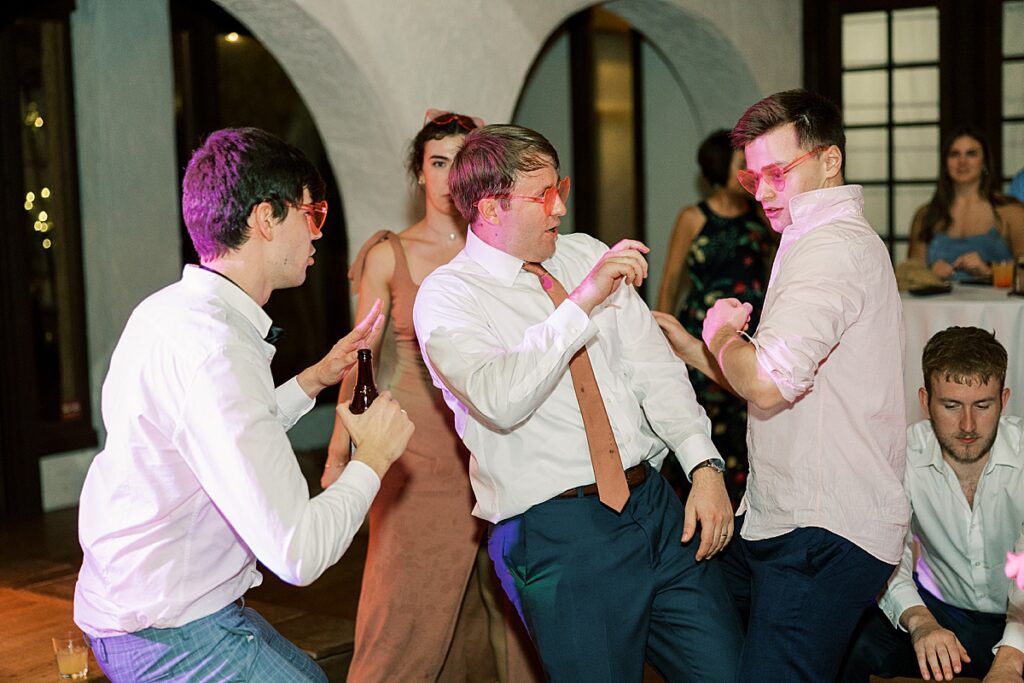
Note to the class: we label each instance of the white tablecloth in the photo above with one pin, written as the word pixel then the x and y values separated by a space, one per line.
pixel 967 305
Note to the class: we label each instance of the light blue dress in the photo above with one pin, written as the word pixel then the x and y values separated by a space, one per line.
pixel 990 246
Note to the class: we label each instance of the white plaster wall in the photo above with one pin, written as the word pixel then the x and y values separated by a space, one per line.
pixel 545 105
pixel 367 71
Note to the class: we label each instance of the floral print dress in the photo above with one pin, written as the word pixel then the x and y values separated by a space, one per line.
pixel 726 259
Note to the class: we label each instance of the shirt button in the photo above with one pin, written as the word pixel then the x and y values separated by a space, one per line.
pixel 977 564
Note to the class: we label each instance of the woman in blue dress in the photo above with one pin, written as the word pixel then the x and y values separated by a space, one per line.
pixel 967 225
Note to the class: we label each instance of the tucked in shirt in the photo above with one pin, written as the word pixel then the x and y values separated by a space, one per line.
pixel 499 350
pixel 831 339
pixel 197 478
pixel 963 548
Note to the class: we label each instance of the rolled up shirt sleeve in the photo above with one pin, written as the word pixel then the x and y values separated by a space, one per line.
pixel 815 300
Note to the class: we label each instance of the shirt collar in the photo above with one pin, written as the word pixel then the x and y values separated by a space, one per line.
pixel 502 266
pixel 1003 452
pixel 223 288
pixel 818 207
pixel 1004 449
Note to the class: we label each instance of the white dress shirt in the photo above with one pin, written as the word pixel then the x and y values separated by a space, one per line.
pixel 831 339
pixel 198 479
pixel 963 549
pixel 500 351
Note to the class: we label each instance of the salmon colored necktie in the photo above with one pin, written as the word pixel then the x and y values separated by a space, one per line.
pixel 612 489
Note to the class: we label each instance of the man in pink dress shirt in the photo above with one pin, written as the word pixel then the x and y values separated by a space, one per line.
pixel 824 515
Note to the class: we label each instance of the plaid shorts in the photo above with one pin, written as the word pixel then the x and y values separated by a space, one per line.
pixel 233 644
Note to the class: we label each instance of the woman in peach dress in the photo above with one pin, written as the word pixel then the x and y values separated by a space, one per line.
pixel 429 609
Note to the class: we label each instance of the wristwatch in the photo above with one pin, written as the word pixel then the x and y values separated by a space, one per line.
pixel 711 463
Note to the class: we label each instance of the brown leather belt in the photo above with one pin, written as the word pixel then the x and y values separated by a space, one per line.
pixel 635 475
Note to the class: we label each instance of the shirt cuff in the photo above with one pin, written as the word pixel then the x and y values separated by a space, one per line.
pixel 361 477
pixel 895 602
pixel 1013 635
pixel 292 401
pixel 695 450
pixel 774 367
pixel 570 320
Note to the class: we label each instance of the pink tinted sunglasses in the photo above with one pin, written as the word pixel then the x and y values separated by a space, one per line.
pixel 559 189
pixel 773 173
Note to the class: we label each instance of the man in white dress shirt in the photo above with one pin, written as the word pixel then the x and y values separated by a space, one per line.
pixel 197 479
pixel 598 589
pixel 965 480
pixel 824 511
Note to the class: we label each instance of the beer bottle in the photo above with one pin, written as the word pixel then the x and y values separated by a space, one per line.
pixel 365 390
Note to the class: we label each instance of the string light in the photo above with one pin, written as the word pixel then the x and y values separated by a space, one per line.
pixel 28 204
pixel 47 243
pixel 44 193
pixel 43 216
pixel 31 196
pixel 231 37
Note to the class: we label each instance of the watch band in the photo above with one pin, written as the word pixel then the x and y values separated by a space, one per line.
pixel 711 463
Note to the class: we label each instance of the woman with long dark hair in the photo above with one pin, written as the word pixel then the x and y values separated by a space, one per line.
pixel 968 224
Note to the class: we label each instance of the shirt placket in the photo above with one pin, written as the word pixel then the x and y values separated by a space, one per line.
pixel 971 521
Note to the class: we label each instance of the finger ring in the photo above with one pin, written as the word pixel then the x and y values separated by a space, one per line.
pixel 725 534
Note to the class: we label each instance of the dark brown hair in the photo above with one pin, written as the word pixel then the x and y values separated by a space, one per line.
pixel 454 124
pixel 714 156
pixel 818 121
pixel 491 160
pixel 936 216
pixel 963 355
pixel 234 170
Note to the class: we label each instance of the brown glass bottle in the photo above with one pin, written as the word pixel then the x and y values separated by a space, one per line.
pixel 366 389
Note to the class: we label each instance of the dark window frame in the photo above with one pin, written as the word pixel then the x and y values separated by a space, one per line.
pixel 970 68
pixel 25 435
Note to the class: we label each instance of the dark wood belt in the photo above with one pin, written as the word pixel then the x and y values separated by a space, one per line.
pixel 635 475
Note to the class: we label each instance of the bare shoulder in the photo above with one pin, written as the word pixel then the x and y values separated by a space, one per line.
pixel 1012 212
pixel 380 261
pixel 691 220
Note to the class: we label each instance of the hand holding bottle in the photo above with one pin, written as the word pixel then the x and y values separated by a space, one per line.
pixel 380 435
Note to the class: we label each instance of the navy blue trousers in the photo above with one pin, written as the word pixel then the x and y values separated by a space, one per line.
pixel 880 649
pixel 802 594
pixel 600 591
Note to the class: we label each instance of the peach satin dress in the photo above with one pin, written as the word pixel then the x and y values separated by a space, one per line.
pixel 430 608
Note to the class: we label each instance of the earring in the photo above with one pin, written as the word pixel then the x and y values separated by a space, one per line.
pixel 421 182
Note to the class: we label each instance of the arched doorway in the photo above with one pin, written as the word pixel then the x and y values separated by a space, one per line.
pixel 225 77
pixel 626 91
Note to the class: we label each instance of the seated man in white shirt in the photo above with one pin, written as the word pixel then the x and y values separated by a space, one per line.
pixel 198 479
pixel 965 481
pixel 569 399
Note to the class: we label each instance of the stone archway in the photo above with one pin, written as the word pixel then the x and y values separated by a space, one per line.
pixel 694 80
pixel 714 76
pixel 347 108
